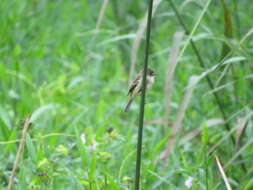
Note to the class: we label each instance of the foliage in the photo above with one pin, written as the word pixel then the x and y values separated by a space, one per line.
pixel 73 79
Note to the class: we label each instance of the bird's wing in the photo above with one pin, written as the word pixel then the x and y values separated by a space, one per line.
pixel 134 85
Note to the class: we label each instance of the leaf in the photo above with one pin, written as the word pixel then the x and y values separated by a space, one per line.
pixel 118 38
pixel 5 128
pixel 204 136
pixel 31 148
pixel 37 113
pixel 4 116
pixel 233 60
pixel 76 81
pixel 215 121
pixel 17 50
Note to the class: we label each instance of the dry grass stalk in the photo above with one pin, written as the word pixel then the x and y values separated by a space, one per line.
pixel 19 152
pixel 192 134
pixel 223 174
pixel 172 62
pixel 230 132
pixel 101 14
pixel 180 115
pixel 238 153
pixel 248 34
pixel 156 122
pixel 242 123
pixel 137 39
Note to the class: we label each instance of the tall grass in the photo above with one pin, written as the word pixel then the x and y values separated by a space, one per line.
pixel 73 79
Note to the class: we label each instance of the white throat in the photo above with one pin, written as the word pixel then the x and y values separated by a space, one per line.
pixel 150 81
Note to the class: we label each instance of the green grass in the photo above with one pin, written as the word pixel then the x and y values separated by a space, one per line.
pixel 73 81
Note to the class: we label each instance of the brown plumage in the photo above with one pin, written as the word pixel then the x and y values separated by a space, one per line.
pixel 135 87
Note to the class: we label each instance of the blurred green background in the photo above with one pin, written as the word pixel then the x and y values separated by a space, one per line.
pixel 73 79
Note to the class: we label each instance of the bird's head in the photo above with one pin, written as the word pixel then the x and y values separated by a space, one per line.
pixel 150 72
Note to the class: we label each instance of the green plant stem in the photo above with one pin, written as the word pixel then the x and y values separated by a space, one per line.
pixel 206 165
pixel 143 93
pixel 237 18
pixel 209 81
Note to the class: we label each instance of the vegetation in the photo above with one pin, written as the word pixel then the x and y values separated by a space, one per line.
pixel 67 65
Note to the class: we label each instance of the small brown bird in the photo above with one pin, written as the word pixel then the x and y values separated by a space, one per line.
pixel 135 88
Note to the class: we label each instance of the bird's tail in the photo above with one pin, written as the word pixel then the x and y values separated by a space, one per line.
pixel 128 105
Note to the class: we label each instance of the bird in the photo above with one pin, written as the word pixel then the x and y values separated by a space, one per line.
pixel 135 87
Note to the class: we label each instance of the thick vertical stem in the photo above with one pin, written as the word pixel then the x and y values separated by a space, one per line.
pixel 143 93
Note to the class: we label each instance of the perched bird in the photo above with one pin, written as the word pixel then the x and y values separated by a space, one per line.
pixel 135 87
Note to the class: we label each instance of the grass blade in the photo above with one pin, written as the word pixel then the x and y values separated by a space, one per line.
pixel 101 13
pixel 202 64
pixel 223 173
pixel 172 62
pixel 179 118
